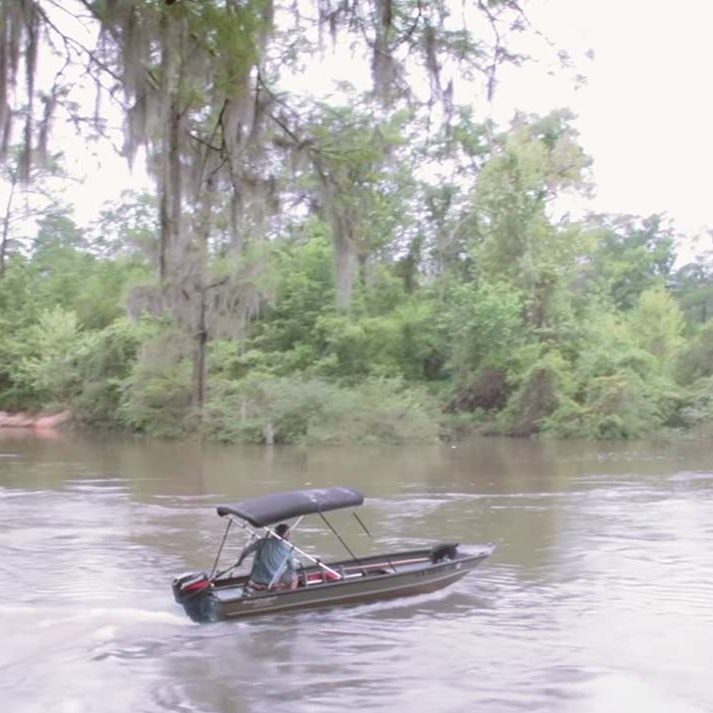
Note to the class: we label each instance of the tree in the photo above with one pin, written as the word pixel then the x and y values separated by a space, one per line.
pixel 693 286
pixel 204 89
pixel 536 161
pixel 631 256
pixel 25 202
pixel 360 184
pixel 511 237
pixel 201 81
pixel 128 228
pixel 657 326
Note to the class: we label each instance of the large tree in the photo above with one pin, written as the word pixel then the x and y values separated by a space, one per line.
pixel 205 89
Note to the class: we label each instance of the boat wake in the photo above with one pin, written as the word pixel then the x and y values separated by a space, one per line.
pixel 54 616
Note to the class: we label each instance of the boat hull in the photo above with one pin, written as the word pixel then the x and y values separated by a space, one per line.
pixel 367 580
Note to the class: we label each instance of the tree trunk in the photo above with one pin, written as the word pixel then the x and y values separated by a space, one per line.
pixel 202 231
pixel 164 228
pixel 170 187
pixel 6 229
pixel 199 360
pixel 175 185
pixel 170 171
pixel 346 269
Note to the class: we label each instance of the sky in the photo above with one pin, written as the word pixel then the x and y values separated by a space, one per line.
pixel 644 115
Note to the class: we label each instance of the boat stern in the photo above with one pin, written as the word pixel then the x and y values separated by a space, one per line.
pixel 194 592
pixel 188 585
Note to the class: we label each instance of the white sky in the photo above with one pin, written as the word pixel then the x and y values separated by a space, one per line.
pixel 645 114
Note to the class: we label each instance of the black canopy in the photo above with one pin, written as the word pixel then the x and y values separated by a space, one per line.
pixel 268 509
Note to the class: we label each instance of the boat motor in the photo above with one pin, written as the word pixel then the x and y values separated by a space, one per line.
pixel 187 586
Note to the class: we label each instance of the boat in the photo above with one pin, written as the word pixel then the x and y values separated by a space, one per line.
pixel 227 594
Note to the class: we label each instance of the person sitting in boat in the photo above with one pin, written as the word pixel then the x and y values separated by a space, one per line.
pixel 273 565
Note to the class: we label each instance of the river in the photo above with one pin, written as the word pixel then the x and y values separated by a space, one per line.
pixel 599 598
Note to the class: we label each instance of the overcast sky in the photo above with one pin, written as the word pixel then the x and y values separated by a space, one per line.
pixel 645 114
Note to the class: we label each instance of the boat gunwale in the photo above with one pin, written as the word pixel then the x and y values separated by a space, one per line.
pixel 240 607
pixel 460 558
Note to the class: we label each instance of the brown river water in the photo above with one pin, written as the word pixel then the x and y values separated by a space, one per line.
pixel 599 598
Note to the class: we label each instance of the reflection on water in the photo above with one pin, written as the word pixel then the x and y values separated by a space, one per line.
pixel 598 599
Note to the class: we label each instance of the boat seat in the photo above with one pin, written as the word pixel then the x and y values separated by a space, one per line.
pixel 445 550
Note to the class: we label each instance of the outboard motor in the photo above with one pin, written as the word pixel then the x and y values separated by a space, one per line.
pixel 194 591
pixel 187 586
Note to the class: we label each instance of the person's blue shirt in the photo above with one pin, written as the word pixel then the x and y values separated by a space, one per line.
pixel 272 556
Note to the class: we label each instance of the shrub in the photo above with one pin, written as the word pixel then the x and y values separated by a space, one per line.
pixel 620 406
pixel 49 373
pixel 697 414
pixel 310 411
pixel 696 361
pixel 105 369
pixel 484 326
pixel 545 386
pixel 156 397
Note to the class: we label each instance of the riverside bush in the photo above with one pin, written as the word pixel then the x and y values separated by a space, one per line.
pixel 54 346
pixel 545 386
pixel 155 396
pixel 412 309
pixel 106 369
pixel 262 407
pixel 697 413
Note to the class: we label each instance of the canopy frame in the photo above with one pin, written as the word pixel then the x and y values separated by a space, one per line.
pixel 270 533
pixel 261 512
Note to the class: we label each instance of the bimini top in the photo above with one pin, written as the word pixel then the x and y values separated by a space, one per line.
pixel 268 509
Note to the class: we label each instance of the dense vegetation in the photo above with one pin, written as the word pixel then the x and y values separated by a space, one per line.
pixel 494 318
pixel 387 269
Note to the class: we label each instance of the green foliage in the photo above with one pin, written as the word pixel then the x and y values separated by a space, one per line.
pixel 546 386
pixel 305 279
pixel 403 344
pixel 127 229
pixel 51 304
pixel 631 256
pixel 100 297
pixel 107 369
pixel 56 230
pixel 362 189
pixel 697 413
pixel 471 311
pixel 485 327
pixel 260 407
pixel 656 325
pixel 535 161
pixel 623 374
pixel 696 359
pixel 55 345
pixel 693 287
pixel 156 394
pixel 389 334
pixel 620 406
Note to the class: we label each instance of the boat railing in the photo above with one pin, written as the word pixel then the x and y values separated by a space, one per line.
pixel 359 570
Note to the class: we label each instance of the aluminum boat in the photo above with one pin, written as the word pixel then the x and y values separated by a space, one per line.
pixel 226 595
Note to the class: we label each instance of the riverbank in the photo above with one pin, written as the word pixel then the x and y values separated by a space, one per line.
pixel 39 421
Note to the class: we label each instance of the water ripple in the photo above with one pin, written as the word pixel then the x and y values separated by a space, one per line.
pixel 597 600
